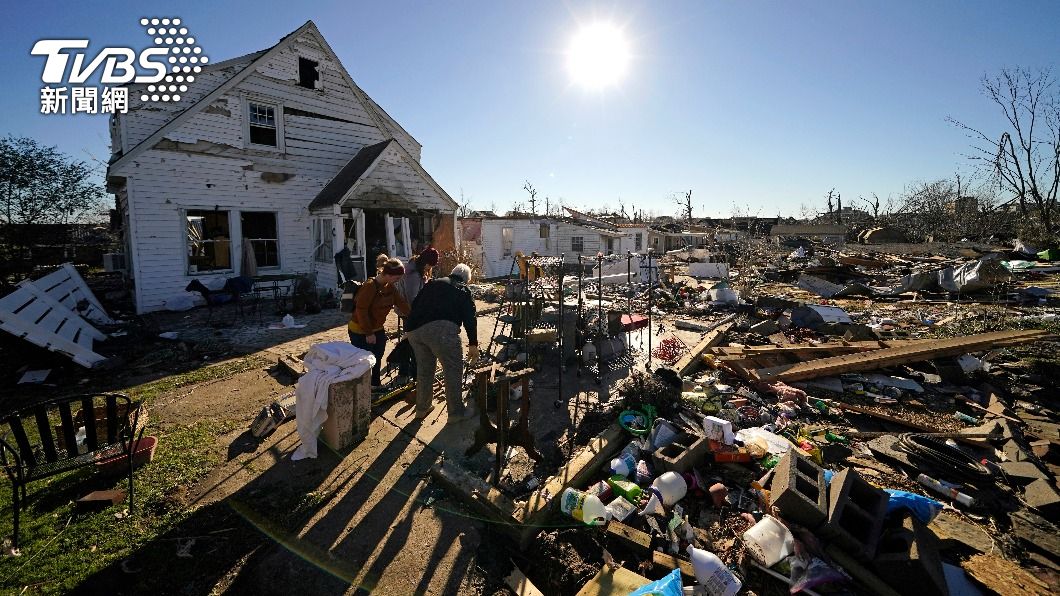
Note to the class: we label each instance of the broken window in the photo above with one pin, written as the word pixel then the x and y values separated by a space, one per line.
pixel 506 242
pixel 264 127
pixel 323 232
pixel 307 73
pixel 259 232
pixel 209 241
pixel 576 244
pixel 637 242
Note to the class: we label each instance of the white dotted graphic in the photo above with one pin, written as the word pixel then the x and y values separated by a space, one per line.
pixel 169 34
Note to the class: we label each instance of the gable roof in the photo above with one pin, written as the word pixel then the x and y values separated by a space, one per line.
pixel 381 120
pixel 348 176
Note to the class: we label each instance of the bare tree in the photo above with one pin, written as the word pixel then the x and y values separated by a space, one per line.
pixel 839 208
pixel 463 208
pixel 529 188
pixel 873 205
pixel 1025 159
pixel 684 203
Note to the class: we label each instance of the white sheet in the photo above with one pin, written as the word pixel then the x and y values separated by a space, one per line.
pixel 327 363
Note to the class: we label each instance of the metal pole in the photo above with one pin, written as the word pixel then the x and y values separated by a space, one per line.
pixel 629 300
pixel 601 321
pixel 651 284
pixel 561 326
pixel 577 349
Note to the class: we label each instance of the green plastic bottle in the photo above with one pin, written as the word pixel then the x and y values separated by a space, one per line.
pixel 626 489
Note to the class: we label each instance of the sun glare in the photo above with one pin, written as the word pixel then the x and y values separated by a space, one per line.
pixel 598 56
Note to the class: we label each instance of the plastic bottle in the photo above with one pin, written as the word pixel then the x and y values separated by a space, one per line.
pixel 625 489
pixel 288 321
pixel 945 488
pixel 584 507
pixel 712 574
pixel 769 541
pixel 666 490
pixel 623 465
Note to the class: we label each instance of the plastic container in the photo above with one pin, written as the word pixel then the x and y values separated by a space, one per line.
pixel 712 574
pixel 584 507
pixel 768 541
pixel 623 465
pixel 625 489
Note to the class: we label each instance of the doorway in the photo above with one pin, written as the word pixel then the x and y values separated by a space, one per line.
pixel 374 238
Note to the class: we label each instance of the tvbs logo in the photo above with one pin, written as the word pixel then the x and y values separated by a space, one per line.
pixel 173 61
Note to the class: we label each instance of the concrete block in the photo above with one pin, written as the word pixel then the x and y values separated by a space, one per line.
pixel 349 413
pixel 799 491
pixel 855 514
pixel 680 456
pixel 907 556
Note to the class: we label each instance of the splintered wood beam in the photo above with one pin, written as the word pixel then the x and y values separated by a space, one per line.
pixel 904 354
pixel 661 559
pixel 711 339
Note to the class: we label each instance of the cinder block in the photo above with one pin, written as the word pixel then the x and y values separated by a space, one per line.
pixel 907 558
pixel 681 455
pixel 855 514
pixel 798 490
pixel 349 413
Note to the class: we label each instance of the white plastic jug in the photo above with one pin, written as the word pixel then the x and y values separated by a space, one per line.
pixel 769 541
pixel 584 507
pixel 712 574
pixel 672 488
pixel 623 465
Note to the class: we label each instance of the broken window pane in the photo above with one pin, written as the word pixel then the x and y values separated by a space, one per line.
pixel 262 120
pixel 307 73
pixel 259 231
pixel 209 241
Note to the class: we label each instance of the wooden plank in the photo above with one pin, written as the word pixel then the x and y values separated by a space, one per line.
pixel 711 339
pixel 521 585
pixel 476 491
pixel 895 356
pixel 613 581
pixel 631 536
pixel 666 561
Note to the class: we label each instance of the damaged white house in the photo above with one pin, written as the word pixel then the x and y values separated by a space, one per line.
pixel 270 163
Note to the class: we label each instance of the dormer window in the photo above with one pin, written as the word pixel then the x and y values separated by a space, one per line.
pixel 308 76
pixel 264 124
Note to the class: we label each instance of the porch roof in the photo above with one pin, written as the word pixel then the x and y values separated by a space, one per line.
pixel 350 173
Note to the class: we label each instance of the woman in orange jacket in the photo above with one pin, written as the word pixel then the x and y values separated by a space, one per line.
pixel 372 304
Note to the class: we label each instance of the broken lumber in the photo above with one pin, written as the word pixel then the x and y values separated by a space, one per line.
pixel 661 559
pixel 711 339
pixel 631 536
pixel 520 584
pixel 904 354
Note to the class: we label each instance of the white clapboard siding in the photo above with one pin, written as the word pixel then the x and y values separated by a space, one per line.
pixel 205 163
pixel 31 314
pixel 67 287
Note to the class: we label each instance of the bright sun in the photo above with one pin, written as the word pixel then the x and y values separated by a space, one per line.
pixel 598 56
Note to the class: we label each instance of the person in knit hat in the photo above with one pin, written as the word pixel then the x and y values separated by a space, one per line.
pixel 372 304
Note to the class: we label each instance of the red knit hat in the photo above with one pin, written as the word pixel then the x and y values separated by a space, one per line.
pixel 428 256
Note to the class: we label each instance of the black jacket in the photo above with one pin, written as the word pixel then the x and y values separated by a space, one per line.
pixel 445 299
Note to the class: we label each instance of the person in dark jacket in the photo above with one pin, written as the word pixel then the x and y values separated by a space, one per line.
pixel 433 329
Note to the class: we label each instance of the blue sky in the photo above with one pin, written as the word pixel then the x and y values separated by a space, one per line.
pixel 759 105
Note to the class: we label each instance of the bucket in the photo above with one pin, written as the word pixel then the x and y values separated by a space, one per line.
pixel 584 507
pixel 712 574
pixel 768 541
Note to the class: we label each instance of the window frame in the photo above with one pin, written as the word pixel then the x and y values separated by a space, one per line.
pixel 580 245
pixel 242 238
pixel 316 68
pixel 507 244
pixel 277 107
pixel 638 241
pixel 319 242
pixel 184 215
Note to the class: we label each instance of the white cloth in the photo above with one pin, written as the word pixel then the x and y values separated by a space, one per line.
pixel 327 363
